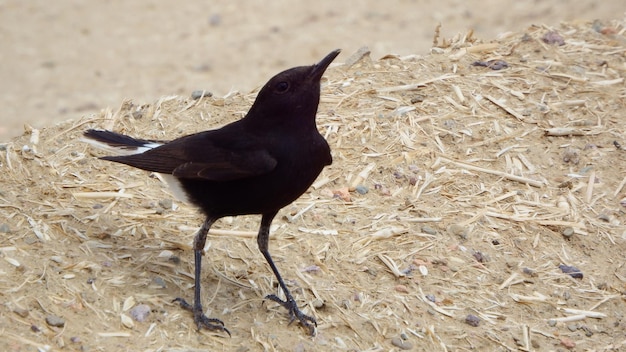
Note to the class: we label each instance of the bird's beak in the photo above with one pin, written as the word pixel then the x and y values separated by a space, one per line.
pixel 320 67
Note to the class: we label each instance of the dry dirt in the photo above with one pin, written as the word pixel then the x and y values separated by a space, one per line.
pixel 477 187
pixel 75 58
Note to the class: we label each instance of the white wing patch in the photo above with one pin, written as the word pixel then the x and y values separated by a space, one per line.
pixel 175 187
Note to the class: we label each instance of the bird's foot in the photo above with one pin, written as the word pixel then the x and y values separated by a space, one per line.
pixel 201 320
pixel 295 313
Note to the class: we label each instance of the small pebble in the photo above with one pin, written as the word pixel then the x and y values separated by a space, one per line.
pixel 472 320
pixel 166 204
pixel 197 94
pixel 159 282
pixel 340 343
pixel 597 26
pixel 552 323
pixel 31 239
pixel 569 344
pixel 457 230
pixel 140 312
pixel 4 228
pixel 345 304
pixel 53 320
pixel 166 253
pixel 343 194
pixel 572 327
pixel 570 155
pixel 311 269
pixel 371 271
pixel 587 331
pixel 571 271
pixel 497 64
pixel 403 345
pixel 429 230
pixel 553 37
pixel 568 232
pixel 479 256
pixel 402 288
pixel 361 189
pixel 530 272
pixel 449 124
pixel 408 270
pixel 535 344
pixel 492 64
pixel 318 303
pixel 417 99
pixel 137 114
pixel 21 312
pixel 215 19
pixel 98 206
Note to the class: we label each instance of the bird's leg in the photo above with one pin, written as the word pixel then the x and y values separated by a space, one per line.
pixel 290 304
pixel 201 320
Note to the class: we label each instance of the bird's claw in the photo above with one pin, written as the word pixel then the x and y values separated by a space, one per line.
pixel 201 320
pixel 295 313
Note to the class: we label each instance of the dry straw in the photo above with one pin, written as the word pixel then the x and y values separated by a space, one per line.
pixel 455 194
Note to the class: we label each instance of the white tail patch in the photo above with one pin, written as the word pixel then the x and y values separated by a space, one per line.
pixel 116 149
pixel 120 150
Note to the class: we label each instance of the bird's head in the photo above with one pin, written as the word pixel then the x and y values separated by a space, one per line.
pixel 291 96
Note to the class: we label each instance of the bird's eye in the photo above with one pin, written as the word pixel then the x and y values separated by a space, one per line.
pixel 282 87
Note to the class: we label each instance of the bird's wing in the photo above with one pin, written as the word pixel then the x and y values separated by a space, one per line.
pixel 228 166
pixel 204 156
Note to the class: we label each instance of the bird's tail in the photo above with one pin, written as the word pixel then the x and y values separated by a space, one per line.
pixel 116 143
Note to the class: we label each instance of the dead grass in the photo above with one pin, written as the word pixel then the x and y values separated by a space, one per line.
pixel 456 190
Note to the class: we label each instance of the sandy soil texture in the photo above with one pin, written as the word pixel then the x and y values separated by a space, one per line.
pixel 476 202
pixel 72 58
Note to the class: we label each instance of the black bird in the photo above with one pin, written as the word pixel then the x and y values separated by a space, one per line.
pixel 256 165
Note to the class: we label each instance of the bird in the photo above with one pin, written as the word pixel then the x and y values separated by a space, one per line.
pixel 253 166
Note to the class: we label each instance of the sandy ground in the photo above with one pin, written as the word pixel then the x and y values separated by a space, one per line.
pixel 458 199
pixel 73 58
